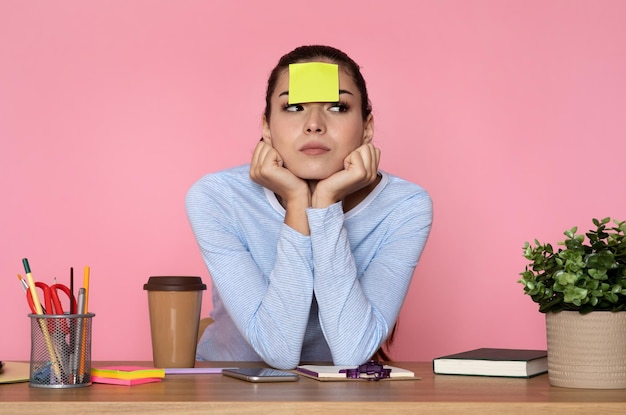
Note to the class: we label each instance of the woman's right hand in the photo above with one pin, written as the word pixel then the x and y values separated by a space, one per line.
pixel 266 169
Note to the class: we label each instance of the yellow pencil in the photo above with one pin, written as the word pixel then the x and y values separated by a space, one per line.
pixel 83 345
pixel 86 286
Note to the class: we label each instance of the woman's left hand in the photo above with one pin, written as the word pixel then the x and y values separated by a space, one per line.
pixel 360 170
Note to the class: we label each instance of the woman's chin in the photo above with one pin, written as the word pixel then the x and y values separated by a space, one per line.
pixel 312 174
pixel 313 177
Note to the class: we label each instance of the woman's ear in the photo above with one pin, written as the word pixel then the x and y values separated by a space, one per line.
pixel 266 133
pixel 368 129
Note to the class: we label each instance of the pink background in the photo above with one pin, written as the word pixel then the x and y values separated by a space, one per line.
pixel 511 113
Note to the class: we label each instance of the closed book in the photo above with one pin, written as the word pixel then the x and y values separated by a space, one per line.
pixel 520 363
pixel 333 372
pixel 127 372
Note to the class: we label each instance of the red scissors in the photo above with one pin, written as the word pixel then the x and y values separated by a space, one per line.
pixel 52 302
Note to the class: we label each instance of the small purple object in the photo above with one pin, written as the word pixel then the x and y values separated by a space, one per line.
pixel 194 370
pixel 373 369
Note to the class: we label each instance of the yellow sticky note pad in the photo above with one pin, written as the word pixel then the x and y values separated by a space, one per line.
pixel 313 82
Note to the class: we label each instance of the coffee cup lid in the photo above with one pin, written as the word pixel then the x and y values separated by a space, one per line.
pixel 171 283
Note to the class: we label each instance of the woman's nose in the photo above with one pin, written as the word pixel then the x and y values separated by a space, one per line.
pixel 315 122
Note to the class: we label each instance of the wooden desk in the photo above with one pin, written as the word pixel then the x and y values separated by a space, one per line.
pixel 217 394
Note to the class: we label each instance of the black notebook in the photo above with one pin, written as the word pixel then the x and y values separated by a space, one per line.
pixel 493 362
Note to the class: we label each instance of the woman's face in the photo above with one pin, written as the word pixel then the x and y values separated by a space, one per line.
pixel 313 139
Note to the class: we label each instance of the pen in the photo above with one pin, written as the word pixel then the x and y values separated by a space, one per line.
pixel 72 321
pixel 42 324
pixel 79 337
pixel 195 370
pixel 72 311
pixel 31 286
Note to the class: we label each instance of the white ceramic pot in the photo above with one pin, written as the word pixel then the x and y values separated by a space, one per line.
pixel 587 350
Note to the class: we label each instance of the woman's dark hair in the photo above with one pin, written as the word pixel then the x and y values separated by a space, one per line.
pixel 318 52
pixel 383 353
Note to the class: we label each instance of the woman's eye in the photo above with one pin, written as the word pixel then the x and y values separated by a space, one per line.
pixel 293 107
pixel 338 107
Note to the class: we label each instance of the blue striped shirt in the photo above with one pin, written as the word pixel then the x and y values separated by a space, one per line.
pixel 283 297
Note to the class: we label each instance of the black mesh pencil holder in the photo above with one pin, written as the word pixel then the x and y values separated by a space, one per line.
pixel 60 353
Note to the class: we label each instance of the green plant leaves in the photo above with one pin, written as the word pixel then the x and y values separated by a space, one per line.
pixel 588 273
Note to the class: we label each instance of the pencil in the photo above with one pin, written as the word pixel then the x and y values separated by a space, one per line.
pixel 86 285
pixel 83 345
pixel 42 324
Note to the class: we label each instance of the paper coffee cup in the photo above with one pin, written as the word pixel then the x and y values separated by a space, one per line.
pixel 174 303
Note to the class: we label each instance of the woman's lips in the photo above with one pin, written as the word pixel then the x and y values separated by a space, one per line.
pixel 314 149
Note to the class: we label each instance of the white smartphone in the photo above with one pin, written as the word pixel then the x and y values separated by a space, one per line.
pixel 261 374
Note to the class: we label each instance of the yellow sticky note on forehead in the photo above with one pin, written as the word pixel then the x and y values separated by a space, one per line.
pixel 313 82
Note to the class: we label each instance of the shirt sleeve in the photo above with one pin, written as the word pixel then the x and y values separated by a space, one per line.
pixel 357 312
pixel 271 311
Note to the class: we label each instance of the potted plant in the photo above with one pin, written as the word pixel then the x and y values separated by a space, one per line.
pixel 581 288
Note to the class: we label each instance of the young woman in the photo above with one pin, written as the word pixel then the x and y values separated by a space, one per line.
pixel 310 247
